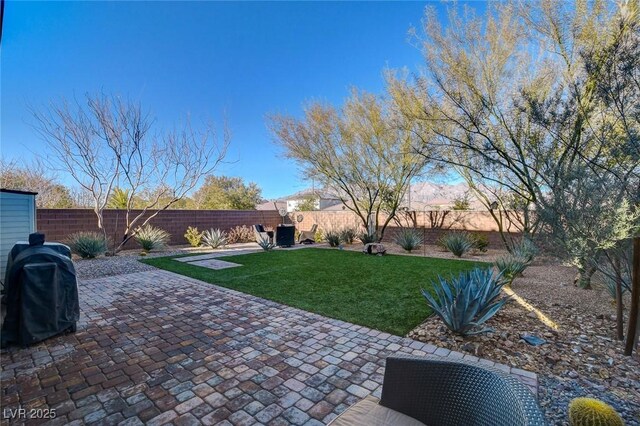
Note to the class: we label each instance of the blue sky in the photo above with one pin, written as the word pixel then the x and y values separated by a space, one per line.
pixel 203 59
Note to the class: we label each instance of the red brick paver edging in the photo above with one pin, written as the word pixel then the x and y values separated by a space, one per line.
pixel 159 348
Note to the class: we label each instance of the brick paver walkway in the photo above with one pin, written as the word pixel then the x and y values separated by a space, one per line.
pixel 155 348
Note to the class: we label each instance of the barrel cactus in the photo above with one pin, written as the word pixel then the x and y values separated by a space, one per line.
pixel 592 412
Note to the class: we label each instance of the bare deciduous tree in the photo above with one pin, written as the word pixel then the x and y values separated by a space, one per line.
pixel 106 143
pixel 35 177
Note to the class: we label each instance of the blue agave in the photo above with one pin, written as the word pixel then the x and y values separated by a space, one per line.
pixel 466 302
pixel 526 250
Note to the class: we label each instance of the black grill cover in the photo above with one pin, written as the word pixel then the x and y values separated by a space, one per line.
pixel 41 295
pixel 285 235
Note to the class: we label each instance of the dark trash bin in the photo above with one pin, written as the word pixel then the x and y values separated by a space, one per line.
pixel 41 292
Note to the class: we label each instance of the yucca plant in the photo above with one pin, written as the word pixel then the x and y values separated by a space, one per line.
pixel 511 266
pixel 458 243
pixel 526 250
pixel 266 244
pixel 366 237
pixel 87 245
pixel 348 235
pixel 214 238
pixel 152 238
pixel 332 237
pixel 240 234
pixel 409 239
pixel 466 302
pixel 193 236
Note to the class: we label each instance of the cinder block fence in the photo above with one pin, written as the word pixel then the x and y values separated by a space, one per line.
pixel 58 224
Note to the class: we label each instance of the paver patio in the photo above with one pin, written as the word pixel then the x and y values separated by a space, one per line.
pixel 155 348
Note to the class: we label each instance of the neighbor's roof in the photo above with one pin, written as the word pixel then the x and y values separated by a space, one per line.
pixel 320 193
pixel 272 205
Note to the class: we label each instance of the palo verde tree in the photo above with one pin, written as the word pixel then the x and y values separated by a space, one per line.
pixel 539 101
pixel 508 101
pixel 362 152
pixel 462 105
pixel 616 75
pixel 106 142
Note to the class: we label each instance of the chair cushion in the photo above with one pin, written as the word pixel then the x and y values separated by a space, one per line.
pixel 369 413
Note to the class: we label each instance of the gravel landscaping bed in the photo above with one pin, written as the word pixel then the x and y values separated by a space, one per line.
pixel 126 262
pixel 431 250
pixel 581 357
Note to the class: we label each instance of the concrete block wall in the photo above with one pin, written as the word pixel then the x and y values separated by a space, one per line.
pixel 58 224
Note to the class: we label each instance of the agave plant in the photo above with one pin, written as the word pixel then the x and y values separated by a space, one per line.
pixel 87 245
pixel 214 238
pixel 480 242
pixel 457 243
pixel 265 243
pixel 466 302
pixel 332 237
pixel 409 239
pixel 366 237
pixel 152 238
pixel 348 235
pixel 511 266
pixel 526 250
pixel 440 243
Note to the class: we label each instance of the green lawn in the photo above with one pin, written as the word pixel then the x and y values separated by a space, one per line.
pixel 381 292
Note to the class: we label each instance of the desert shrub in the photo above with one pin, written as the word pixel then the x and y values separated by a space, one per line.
pixel 526 250
pixel 265 243
pixel 511 266
pixel 593 412
pixel 87 245
pixel 152 238
pixel 214 238
pixel 409 239
pixel 193 236
pixel 332 237
pixel 348 235
pixel 464 303
pixel 366 238
pixel 318 237
pixel 240 234
pixel 457 243
pixel 480 242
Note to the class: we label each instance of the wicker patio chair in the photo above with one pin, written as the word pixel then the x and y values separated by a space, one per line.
pixel 433 391
pixel 262 234
pixel 308 235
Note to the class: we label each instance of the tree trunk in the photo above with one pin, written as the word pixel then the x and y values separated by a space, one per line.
pixel 632 331
pixel 583 278
pixel 619 306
